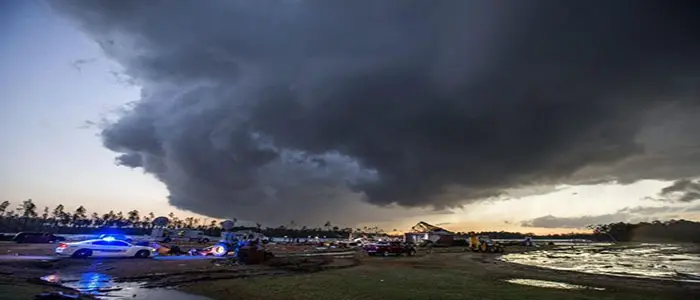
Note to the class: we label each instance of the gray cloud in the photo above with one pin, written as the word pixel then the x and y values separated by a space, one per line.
pixel 550 221
pixel 281 110
pixel 628 214
pixel 684 190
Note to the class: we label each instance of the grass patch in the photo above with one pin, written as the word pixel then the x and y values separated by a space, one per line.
pixel 391 282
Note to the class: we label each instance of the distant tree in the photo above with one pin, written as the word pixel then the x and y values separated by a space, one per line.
pixel 174 221
pixel 119 219
pixel 57 214
pixel 96 220
pixel 45 214
pixel 109 218
pixel 146 221
pixel 3 207
pixel 65 218
pixel 151 217
pixel 133 217
pixel 27 209
pixel 79 216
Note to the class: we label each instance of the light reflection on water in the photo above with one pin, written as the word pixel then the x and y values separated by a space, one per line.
pixel 102 286
pixel 645 260
pixel 551 284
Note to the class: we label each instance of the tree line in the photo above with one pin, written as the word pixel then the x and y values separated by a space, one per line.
pixel 673 231
pixel 27 217
pixel 682 231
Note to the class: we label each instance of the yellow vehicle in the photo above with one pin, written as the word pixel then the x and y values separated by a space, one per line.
pixel 482 243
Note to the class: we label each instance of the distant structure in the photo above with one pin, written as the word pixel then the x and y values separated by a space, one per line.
pixel 427 233
pixel 160 221
pixel 227 225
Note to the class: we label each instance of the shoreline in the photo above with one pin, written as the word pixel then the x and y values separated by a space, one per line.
pixel 589 279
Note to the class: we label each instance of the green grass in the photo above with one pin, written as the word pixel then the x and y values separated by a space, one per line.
pixel 405 283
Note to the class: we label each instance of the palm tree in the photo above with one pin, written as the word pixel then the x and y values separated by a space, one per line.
pixel 146 220
pixel 119 219
pixel 96 219
pixel 28 209
pixel 3 207
pixel 79 216
pixel 133 217
pixel 109 218
pixel 45 214
pixel 57 214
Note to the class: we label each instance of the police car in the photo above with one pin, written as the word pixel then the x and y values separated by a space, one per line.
pixel 105 247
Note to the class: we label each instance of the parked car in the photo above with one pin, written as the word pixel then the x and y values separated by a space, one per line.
pixel 104 248
pixel 390 248
pixel 37 238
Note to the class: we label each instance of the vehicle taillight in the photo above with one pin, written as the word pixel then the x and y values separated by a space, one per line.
pixel 62 245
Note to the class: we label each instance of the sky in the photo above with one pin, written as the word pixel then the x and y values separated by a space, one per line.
pixel 49 155
pixel 314 112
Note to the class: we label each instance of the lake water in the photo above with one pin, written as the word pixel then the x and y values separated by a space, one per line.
pixel 661 261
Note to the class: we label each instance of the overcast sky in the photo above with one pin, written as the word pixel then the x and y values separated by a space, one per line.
pixel 210 131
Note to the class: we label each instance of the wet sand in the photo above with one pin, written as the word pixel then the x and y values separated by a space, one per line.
pixel 26 263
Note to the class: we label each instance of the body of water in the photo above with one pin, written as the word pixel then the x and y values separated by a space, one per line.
pixel 662 261
pixel 102 286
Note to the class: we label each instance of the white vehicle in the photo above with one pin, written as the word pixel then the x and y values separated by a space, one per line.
pixel 106 247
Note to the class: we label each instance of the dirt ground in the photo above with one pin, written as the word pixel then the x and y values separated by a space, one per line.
pixel 440 275
pixel 411 275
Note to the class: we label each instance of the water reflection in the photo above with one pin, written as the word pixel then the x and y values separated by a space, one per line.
pixel 551 284
pixel 102 286
pixel 645 260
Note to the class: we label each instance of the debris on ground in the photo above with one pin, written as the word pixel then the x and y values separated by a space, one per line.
pixel 311 264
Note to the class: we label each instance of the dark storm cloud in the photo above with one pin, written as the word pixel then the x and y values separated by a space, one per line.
pixel 684 190
pixel 293 109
